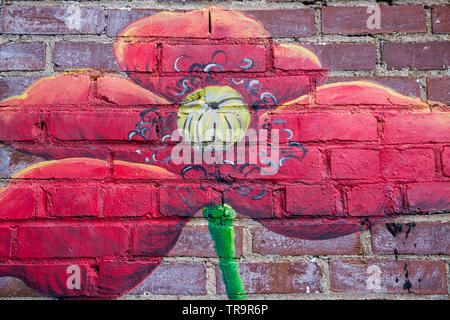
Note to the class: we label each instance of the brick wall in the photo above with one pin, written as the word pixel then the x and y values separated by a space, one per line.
pixel 376 159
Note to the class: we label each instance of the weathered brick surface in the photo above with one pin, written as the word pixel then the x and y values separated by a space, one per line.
pixel 439 89
pixel 416 55
pixel 353 20
pixel 11 86
pixel 22 56
pixel 281 277
pixel 403 276
pixel 175 278
pixel 88 177
pixel 411 238
pixel 74 19
pixel 355 164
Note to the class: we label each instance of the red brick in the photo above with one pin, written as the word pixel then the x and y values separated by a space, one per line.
pixel 76 201
pixel 431 196
pixel 22 56
pixel 129 201
pixel 79 55
pixel 118 19
pixel 253 202
pixel 283 277
pixel 19 125
pixel 355 164
pixel 411 238
pixel 372 200
pixel 266 242
pixel 155 239
pixel 11 86
pixel 312 200
pixel 416 56
pixel 50 278
pixel 406 86
pixel 114 275
pixel 71 241
pixel 6 240
pixel 326 127
pixel 353 20
pixel 440 18
pixel 195 241
pixel 229 24
pixel 53 20
pixel 179 201
pixel 286 23
pixel 345 56
pixel 18 202
pixel 175 278
pixel 235 54
pixel 92 125
pixel 421 277
pixel 446 162
pixel 415 164
pixel 417 128
pixel 439 89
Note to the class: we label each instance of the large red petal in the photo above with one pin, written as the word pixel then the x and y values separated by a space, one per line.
pixel 103 245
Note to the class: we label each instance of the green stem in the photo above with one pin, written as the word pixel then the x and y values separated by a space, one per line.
pixel 221 228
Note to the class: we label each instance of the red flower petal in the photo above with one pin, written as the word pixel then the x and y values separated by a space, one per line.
pixel 94 237
pixel 69 91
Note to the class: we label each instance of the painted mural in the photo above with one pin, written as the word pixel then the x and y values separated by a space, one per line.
pixel 214 92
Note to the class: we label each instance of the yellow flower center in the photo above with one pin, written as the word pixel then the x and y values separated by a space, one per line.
pixel 213 118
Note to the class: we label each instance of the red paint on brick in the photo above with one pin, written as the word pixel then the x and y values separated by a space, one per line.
pixel 19 125
pixel 351 276
pixel 355 164
pixel 119 19
pixel 81 55
pixel 53 20
pixel 204 53
pixel 417 164
pixel 175 278
pixel 226 24
pixel 92 125
pixel 319 200
pixel 417 128
pixel 446 162
pixel 439 89
pixel 156 239
pixel 353 20
pixel 71 241
pixel 51 278
pixel 432 196
pixel 415 55
pixel 116 277
pixel 326 127
pixel 18 202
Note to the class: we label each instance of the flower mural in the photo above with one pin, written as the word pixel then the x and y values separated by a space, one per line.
pixel 213 89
